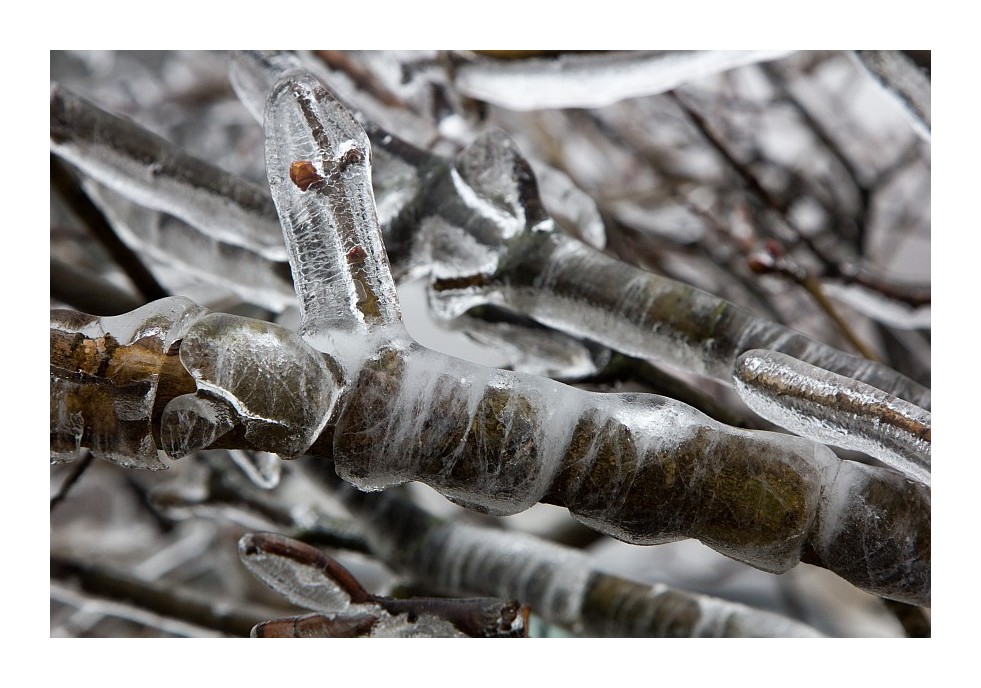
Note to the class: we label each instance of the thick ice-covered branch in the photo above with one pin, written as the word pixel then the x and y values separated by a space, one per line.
pixel 558 583
pixel 642 468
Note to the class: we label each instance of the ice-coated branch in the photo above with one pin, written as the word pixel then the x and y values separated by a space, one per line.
pixel 593 80
pixel 642 468
pixel 836 410
pixel 309 578
pixel 158 597
pixel 106 376
pixel 560 584
pixel 317 162
pixel 173 242
pixel 904 80
pixel 157 174
pixel 63 182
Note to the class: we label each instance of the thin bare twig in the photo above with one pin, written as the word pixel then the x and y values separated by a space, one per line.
pixel 77 470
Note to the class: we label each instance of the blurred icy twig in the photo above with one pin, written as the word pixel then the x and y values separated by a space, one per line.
pixel 559 584
pixel 592 80
pixel 899 75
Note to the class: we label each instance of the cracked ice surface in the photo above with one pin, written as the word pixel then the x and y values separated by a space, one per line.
pixel 318 170
pixel 254 374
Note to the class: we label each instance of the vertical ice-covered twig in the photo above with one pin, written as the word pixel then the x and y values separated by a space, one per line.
pixel 317 163
pixel 831 408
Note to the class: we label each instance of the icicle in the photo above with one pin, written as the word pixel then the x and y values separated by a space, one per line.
pixel 317 164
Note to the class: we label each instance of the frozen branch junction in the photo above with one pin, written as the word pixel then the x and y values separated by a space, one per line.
pixel 354 386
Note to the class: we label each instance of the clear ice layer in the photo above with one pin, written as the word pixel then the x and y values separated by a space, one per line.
pixel 263 377
pixel 104 378
pixel 833 409
pixel 297 572
pixel 317 162
pixel 250 275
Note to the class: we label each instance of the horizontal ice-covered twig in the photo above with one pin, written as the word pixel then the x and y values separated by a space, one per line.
pixel 642 468
pixel 157 174
pixel 165 238
pixel 559 584
pixel 593 80
pixel 106 375
pixel 836 410
pixel 179 610
pixel 309 578
pixel 529 267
